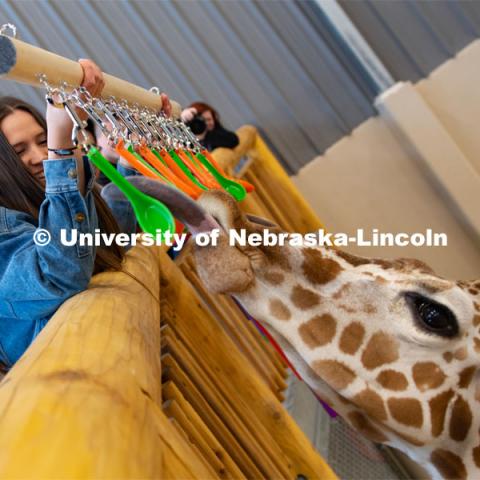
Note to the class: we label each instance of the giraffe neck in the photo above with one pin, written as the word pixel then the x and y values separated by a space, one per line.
pixel 431 418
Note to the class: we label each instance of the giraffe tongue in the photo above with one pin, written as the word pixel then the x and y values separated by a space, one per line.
pixel 182 207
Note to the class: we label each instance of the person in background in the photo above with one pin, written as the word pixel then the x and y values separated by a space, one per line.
pixel 204 122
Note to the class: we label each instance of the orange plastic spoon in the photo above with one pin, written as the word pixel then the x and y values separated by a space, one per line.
pixel 152 159
pixel 134 162
pixel 199 171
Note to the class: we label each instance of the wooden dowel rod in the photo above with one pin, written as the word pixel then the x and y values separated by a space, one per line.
pixel 23 63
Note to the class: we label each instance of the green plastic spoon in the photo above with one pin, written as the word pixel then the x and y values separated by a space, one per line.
pixel 236 190
pixel 185 169
pixel 153 216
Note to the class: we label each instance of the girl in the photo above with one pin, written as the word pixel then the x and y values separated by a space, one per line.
pixel 38 198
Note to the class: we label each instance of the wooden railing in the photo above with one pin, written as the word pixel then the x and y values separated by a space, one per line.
pixel 147 375
pixel 276 196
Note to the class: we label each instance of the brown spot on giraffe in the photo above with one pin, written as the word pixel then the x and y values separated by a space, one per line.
pixel 346 308
pixel 409 264
pixel 461 420
pixel 448 356
pixel 380 350
pixel 448 464
pixel 476 456
pixel 392 380
pixel 341 291
pixel 407 411
pixel 361 423
pixel 318 331
pixel 476 320
pixel 336 374
pixel 438 408
pixel 403 265
pixel 476 346
pixel 303 298
pixel 352 338
pixel 371 403
pixel 461 353
pixel 427 375
pixel 274 278
pixel 385 264
pixel 276 256
pixel 465 376
pixel 477 306
pixel 369 308
pixel 473 291
pixel 279 310
pixel 319 270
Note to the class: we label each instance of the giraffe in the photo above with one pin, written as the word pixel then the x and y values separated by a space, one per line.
pixel 391 346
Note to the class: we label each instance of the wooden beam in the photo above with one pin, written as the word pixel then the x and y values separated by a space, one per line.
pixel 255 404
pixel 22 62
pixel 84 401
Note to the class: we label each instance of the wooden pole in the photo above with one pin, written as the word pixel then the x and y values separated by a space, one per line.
pixel 23 63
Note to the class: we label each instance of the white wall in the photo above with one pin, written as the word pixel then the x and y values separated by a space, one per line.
pixel 413 167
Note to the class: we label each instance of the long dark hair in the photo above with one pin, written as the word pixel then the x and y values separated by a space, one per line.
pixel 20 191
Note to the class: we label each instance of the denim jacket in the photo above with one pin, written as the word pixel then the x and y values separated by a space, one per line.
pixel 35 280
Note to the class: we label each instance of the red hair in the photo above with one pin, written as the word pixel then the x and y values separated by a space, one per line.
pixel 204 107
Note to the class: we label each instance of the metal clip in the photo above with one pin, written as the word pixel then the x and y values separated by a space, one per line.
pixel 8 26
pixel 79 126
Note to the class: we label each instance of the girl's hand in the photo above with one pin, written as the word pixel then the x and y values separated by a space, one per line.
pixel 92 77
pixel 166 105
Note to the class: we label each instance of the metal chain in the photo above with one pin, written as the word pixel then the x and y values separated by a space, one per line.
pixel 118 120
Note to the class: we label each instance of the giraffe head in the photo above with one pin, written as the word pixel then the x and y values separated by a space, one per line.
pixel 391 346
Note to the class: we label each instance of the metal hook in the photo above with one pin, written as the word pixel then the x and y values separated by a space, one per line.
pixel 52 92
pixel 7 26
pixel 78 126
pixel 42 78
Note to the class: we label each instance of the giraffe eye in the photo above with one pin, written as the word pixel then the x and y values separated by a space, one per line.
pixel 432 316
